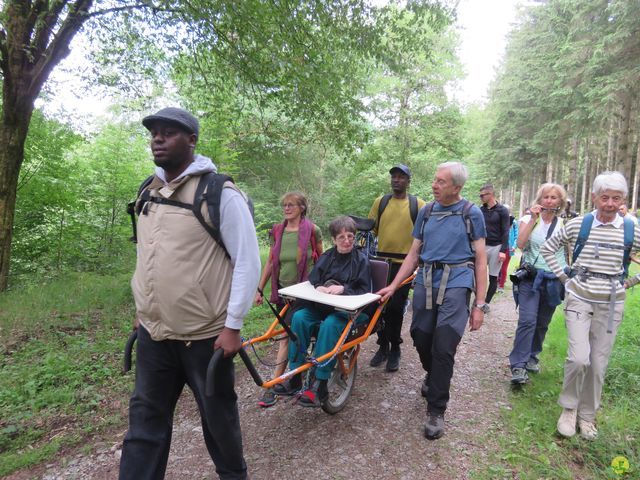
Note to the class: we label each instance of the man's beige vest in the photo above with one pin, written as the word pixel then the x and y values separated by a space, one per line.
pixel 183 277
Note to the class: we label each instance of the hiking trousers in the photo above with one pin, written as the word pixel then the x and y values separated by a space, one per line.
pixel 304 324
pixel 162 370
pixel 390 334
pixel 533 323
pixel 589 348
pixel 436 335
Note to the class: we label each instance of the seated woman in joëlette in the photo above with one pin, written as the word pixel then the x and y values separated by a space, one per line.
pixel 341 270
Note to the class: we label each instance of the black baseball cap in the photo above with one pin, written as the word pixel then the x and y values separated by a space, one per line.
pixel 402 168
pixel 174 115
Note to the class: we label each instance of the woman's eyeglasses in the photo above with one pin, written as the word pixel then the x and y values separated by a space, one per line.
pixel 346 237
pixel 289 205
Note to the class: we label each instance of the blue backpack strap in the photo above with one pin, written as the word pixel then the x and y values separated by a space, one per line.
pixel 583 235
pixel 629 234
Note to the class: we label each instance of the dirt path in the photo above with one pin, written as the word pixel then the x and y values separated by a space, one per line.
pixel 378 435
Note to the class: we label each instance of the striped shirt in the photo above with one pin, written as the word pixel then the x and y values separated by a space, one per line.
pixel 594 257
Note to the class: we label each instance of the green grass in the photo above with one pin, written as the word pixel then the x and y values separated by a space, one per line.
pixel 60 368
pixel 529 446
pixel 61 346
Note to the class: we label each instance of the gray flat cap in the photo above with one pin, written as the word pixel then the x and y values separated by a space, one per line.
pixel 180 117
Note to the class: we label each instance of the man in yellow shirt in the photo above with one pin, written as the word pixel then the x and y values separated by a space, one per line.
pixel 395 214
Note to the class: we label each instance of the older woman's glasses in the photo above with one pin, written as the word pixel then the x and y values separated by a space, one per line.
pixel 289 206
pixel 346 237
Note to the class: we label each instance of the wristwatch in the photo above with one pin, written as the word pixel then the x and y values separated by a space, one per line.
pixel 482 306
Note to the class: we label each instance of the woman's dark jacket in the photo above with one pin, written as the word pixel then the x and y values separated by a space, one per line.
pixel 351 270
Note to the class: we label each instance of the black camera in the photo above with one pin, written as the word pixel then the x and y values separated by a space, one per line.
pixel 524 272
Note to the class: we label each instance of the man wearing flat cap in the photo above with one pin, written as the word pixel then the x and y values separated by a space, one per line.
pixel 394 213
pixel 191 294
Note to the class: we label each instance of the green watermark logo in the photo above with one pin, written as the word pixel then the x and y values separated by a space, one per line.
pixel 620 465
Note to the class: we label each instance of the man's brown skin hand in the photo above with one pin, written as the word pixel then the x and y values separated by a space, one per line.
pixel 229 340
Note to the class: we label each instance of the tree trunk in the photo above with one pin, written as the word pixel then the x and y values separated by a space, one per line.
pixel 550 166
pixel 611 143
pixel 34 38
pixel 585 177
pixel 523 196
pixel 12 139
pixel 634 198
pixel 623 136
pixel 573 170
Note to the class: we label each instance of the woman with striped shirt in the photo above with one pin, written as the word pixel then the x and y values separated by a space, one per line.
pixel 594 302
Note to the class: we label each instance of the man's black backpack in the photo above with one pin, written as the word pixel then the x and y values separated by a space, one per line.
pixel 209 189
pixel 413 207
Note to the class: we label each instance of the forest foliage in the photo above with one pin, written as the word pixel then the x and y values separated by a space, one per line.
pixel 324 115
pixel 565 104
pixel 322 97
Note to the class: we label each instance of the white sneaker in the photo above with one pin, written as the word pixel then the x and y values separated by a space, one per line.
pixel 588 430
pixel 567 422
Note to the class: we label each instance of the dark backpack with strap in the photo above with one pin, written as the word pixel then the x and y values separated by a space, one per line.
pixel 209 189
pixel 413 207
pixel 583 235
pixel 463 212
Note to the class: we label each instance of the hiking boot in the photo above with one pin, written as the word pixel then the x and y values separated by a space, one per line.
pixel 314 395
pixel 393 362
pixel 289 387
pixel 268 399
pixel 588 430
pixel 434 428
pixel 519 376
pixel 424 388
pixel 380 356
pixel 567 422
pixel 532 366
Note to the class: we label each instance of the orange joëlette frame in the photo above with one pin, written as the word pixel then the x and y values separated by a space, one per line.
pixel 273 331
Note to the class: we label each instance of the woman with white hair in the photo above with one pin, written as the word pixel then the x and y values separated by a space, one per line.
pixel 595 287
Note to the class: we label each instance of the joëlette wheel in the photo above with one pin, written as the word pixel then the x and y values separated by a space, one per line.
pixel 339 385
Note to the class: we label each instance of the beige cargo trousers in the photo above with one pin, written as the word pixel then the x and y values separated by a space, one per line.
pixel 589 348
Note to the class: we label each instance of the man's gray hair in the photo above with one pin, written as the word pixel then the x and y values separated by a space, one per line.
pixel 459 173
pixel 610 181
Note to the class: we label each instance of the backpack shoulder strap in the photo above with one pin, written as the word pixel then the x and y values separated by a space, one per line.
pixel 629 233
pixel 384 201
pixel 428 208
pixel 143 195
pixel 466 216
pixel 413 208
pixel 583 235
pixel 209 189
pixel 134 208
pixel 552 227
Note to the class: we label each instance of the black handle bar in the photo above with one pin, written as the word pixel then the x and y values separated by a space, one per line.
pixel 251 367
pixel 213 365
pixel 128 350
pixel 209 388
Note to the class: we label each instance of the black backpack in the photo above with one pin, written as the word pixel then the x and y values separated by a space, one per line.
pixel 212 182
pixel 413 207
